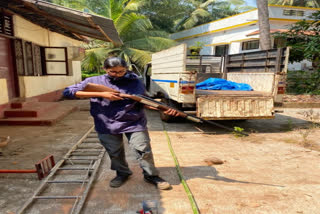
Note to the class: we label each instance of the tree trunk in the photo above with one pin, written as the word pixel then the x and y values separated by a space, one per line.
pixel 264 26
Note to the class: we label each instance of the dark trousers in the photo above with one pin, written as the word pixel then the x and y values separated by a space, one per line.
pixel 139 141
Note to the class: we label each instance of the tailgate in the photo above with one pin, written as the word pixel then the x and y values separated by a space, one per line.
pixel 213 107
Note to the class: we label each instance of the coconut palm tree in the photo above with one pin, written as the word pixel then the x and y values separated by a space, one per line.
pixel 199 10
pixel 204 11
pixel 264 25
pixel 301 3
pixel 135 30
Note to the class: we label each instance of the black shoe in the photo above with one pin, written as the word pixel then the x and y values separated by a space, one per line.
pixel 118 181
pixel 159 182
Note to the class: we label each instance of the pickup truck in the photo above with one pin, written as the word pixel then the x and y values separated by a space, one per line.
pixel 172 76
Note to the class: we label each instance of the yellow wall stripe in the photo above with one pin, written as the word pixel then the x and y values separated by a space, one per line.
pixel 247 39
pixel 294 7
pixel 288 20
pixel 220 19
pixel 235 26
pixel 218 30
pixel 221 43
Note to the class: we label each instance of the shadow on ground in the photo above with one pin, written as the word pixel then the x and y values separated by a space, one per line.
pixel 210 173
pixel 281 123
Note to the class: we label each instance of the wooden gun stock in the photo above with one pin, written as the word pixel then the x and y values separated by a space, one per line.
pixel 98 88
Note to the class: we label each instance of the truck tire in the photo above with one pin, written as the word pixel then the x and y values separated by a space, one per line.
pixel 164 117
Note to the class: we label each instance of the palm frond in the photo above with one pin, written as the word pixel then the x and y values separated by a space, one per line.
pixel 200 13
pixel 95 57
pixel 153 33
pixel 134 5
pixel 138 57
pixel 194 18
pixel 117 8
pixel 151 44
pixel 132 22
pixel 237 2
pixel 207 3
pixel 179 23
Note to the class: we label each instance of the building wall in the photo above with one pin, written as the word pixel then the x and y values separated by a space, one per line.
pixel 276 11
pixel 233 37
pixel 4 91
pixel 36 85
pixel 234 30
pixel 241 20
pixel 26 30
pixel 303 65
pixel 218 25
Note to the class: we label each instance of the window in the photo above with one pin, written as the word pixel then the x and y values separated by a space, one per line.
pixel 250 45
pixel 293 12
pixel 33 60
pixel 29 59
pixel 221 50
pixel 6 24
pixel 18 50
pixel 55 61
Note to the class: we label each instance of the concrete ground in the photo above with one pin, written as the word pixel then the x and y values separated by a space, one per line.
pixel 274 170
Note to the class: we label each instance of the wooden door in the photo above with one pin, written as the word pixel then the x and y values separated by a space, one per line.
pixel 7 69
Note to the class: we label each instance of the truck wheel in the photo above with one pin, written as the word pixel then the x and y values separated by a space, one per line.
pixel 164 117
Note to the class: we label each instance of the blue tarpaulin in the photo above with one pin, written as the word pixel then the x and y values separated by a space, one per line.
pixel 222 84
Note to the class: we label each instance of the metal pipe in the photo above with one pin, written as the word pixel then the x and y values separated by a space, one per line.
pixel 18 171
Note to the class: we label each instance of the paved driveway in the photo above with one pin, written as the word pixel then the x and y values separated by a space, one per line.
pixel 271 171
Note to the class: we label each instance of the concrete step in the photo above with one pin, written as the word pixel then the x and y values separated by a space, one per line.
pixel 21 102
pixel 49 118
pixel 32 109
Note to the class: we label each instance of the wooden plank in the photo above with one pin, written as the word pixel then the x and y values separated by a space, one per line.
pixel 159 71
pixel 268 61
pixel 89 18
pixel 278 60
pixel 172 58
pixel 286 61
pixel 170 52
pixel 161 68
pixel 176 64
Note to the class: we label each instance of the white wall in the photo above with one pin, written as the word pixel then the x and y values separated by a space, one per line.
pixel 303 65
pixel 26 30
pixel 3 91
pixel 221 31
pixel 277 12
pixel 218 24
pixel 231 36
pixel 33 86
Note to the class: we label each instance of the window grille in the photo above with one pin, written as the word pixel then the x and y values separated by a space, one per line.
pixel 6 25
pixel 250 45
pixel 293 12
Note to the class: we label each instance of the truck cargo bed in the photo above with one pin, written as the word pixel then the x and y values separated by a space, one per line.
pixel 234 105
pixel 232 93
